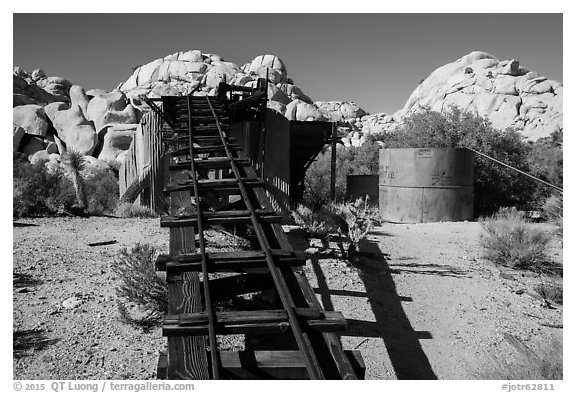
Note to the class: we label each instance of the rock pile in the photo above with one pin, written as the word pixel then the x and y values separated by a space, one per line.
pixel 503 91
pixel 51 115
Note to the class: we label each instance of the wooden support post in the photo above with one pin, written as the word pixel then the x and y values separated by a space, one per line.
pixel 186 355
pixel 333 165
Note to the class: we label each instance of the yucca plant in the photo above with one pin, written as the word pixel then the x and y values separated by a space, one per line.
pixel 76 163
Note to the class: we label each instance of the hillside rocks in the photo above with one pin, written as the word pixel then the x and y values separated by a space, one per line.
pixel 183 72
pixel 116 139
pixel 64 116
pixel 54 114
pixel 17 135
pixel 111 108
pixel 75 130
pixel 504 91
pixel 31 118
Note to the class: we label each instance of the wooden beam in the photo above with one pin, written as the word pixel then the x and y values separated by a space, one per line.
pixel 252 365
pixel 252 322
pixel 213 218
pixel 186 355
pixel 226 261
pixel 258 365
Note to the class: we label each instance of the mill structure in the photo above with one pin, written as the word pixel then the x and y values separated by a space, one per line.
pixel 210 164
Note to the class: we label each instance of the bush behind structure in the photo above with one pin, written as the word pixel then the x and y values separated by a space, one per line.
pixel 495 186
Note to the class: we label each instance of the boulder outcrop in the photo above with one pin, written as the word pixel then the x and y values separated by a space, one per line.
pixel 505 92
pixel 31 118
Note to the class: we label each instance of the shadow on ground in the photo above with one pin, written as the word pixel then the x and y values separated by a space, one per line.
pixel 392 324
pixel 25 341
pixel 20 280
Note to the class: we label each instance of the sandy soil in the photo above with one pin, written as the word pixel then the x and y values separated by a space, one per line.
pixel 421 304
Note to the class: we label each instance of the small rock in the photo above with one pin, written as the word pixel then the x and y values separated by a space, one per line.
pixel 71 303
pixel 113 349
pixel 25 290
pixel 519 291
pixel 312 250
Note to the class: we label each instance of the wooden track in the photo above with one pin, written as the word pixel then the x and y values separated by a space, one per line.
pixel 204 170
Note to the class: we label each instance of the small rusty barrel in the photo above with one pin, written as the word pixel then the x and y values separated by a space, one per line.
pixel 426 185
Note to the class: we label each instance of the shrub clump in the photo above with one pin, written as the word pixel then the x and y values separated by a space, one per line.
pixel 41 190
pixel 510 241
pixel 361 160
pixel 318 223
pixel 140 288
pixel 130 210
pixel 495 186
pixel 554 211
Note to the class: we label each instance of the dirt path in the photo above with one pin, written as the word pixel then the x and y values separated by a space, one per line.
pixel 427 306
pixel 424 305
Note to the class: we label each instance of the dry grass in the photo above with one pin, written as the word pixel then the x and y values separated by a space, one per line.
pixel 129 210
pixel 510 241
pixel 142 295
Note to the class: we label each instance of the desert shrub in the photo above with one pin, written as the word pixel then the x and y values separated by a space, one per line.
pixel 359 219
pixel 545 160
pixel 102 190
pixel 361 160
pixel 495 186
pixel 550 292
pixel 510 241
pixel 554 211
pixel 130 210
pixel 38 191
pixel 140 288
pixel 317 223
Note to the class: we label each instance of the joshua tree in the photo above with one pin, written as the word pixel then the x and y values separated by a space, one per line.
pixel 75 162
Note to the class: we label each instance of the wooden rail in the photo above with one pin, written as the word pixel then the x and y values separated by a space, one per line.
pixel 210 184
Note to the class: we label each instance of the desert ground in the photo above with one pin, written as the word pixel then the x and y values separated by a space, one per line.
pixel 420 303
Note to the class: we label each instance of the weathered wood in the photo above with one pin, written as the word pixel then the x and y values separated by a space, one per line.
pixel 209 163
pixel 274 364
pixel 233 217
pixel 225 288
pixel 186 355
pixel 252 322
pixel 231 261
pixel 139 183
pixel 303 341
pixel 256 365
pixel 212 184
pixel 162 368
pixel 343 364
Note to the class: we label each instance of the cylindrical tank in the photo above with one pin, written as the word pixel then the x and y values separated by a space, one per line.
pixel 426 185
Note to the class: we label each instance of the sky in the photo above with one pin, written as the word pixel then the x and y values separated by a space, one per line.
pixel 375 60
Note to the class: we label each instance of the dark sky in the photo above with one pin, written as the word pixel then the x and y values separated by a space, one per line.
pixel 376 60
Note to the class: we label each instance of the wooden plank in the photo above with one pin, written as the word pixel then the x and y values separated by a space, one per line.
pixel 212 184
pixel 162 368
pixel 209 163
pixel 227 287
pixel 343 364
pixel 331 340
pixel 186 355
pixel 212 218
pixel 255 365
pixel 232 261
pixel 250 322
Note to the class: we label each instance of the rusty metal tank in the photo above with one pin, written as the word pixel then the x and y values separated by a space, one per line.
pixel 426 185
